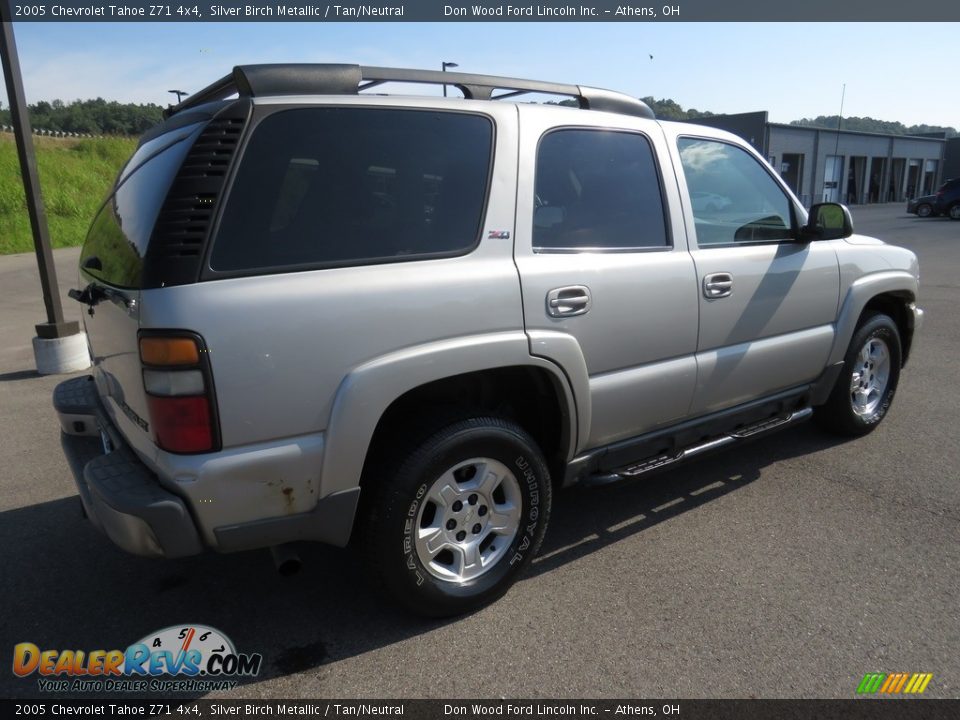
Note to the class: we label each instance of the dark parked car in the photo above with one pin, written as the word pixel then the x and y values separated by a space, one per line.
pixel 946 201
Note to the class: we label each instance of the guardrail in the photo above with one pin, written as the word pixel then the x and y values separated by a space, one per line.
pixel 53 133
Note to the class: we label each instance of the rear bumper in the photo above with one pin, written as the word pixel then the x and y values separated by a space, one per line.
pixel 126 500
pixel 120 495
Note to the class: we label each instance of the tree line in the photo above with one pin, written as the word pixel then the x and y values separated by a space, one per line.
pixel 869 124
pixel 102 117
pixel 664 109
pixel 96 117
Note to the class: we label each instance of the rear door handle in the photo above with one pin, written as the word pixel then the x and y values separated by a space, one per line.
pixel 569 300
pixel 717 285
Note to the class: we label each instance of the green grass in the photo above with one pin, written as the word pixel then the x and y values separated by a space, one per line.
pixel 75 176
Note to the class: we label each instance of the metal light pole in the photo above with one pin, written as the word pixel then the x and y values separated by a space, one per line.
pixel 444 66
pixel 178 93
pixel 59 346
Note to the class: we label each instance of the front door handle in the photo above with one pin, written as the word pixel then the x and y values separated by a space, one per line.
pixel 569 300
pixel 717 285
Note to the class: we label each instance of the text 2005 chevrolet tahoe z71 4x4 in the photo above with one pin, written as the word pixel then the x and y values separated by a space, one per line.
pixel 321 314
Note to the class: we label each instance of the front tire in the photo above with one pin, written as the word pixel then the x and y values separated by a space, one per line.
pixel 924 210
pixel 866 386
pixel 454 522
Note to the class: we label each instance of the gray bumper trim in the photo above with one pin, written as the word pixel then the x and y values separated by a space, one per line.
pixel 120 495
pixel 331 521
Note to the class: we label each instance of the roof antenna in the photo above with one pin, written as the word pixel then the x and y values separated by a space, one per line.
pixel 836 148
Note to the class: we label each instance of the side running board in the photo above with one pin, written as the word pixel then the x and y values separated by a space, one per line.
pixel 657 462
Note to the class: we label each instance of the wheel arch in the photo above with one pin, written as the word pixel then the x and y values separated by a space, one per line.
pixel 894 305
pixel 490 373
pixel 891 293
pixel 529 395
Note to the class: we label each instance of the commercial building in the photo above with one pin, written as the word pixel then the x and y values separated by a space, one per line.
pixel 823 165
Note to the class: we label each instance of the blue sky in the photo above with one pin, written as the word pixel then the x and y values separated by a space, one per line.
pixel 793 70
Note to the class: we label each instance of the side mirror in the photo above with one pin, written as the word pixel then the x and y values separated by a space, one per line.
pixel 827 221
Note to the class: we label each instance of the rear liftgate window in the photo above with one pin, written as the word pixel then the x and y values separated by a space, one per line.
pixel 337 186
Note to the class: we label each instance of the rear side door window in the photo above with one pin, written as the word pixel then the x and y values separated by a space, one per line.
pixel 733 198
pixel 597 190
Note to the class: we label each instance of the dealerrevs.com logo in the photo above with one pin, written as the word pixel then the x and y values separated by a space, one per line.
pixel 180 658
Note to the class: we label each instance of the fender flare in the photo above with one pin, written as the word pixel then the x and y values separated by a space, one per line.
pixel 861 292
pixel 369 389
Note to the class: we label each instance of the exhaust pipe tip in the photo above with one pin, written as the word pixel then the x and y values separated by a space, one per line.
pixel 285 559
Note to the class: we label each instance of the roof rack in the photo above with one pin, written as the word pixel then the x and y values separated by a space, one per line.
pixel 333 79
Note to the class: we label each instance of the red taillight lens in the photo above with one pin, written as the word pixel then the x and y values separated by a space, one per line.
pixel 179 389
pixel 181 424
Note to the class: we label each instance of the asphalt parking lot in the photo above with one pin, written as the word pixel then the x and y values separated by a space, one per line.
pixel 786 568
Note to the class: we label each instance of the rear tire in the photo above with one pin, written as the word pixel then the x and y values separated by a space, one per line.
pixel 866 386
pixel 954 211
pixel 454 521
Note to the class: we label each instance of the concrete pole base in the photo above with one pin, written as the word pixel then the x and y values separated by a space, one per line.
pixel 61 355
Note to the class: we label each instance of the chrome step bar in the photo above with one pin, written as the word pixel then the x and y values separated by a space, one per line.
pixel 660 461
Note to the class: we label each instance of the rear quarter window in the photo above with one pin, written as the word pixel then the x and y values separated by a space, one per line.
pixel 118 238
pixel 326 187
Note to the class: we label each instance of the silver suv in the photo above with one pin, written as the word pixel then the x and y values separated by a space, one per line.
pixel 319 313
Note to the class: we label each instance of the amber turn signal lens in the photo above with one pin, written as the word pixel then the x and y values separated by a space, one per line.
pixel 169 351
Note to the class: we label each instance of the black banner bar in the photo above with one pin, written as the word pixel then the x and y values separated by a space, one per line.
pixel 483 11
pixel 859 709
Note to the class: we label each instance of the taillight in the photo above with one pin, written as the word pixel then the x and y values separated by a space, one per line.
pixel 169 351
pixel 176 377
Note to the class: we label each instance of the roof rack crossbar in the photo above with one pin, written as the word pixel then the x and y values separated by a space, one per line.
pixel 331 79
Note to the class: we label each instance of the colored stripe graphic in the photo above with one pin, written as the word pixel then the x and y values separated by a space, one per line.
pixel 894 683
pixel 871 683
pixel 900 682
pixel 889 682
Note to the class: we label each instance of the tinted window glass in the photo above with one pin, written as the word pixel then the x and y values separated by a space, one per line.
pixel 733 198
pixel 121 231
pixel 597 189
pixel 333 186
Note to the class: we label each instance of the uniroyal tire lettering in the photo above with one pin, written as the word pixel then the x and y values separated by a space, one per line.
pixel 532 485
pixel 408 533
pixel 533 489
